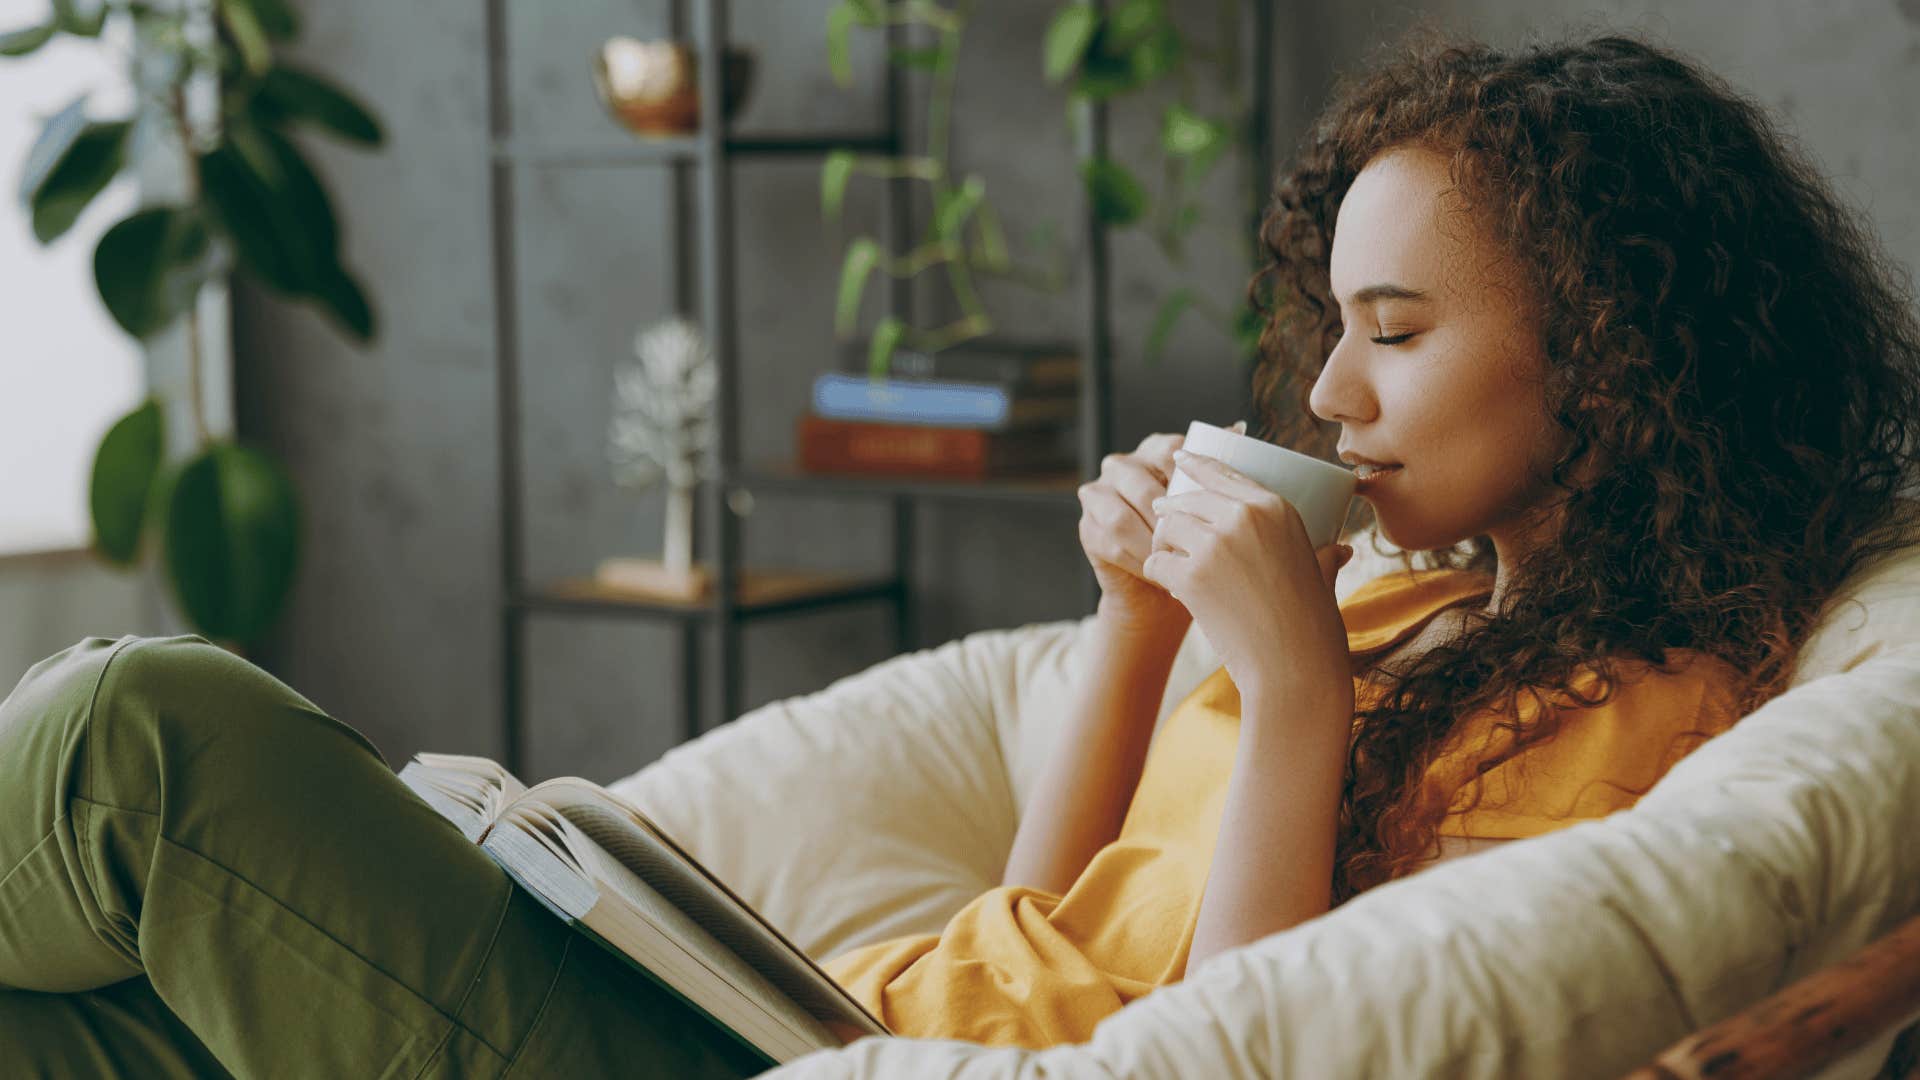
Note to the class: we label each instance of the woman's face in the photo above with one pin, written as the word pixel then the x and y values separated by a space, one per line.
pixel 1451 390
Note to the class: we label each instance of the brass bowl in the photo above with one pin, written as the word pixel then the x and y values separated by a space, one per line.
pixel 653 87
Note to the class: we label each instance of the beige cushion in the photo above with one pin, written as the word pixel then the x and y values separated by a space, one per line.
pixel 879 805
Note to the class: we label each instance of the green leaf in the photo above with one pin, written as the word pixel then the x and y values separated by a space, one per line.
pixel 840 19
pixel 150 267
pixel 22 42
pixel 1155 56
pixel 1116 196
pixel 886 338
pixel 835 171
pixel 82 17
pixel 992 248
pixel 1104 74
pixel 232 541
pixel 89 164
pixel 249 37
pixel 869 12
pixel 124 468
pixel 952 207
pixel 268 200
pixel 56 137
pixel 927 59
pixel 1171 308
pixel 1132 21
pixel 290 94
pixel 863 254
pixel 1184 133
pixel 1066 39
pixel 276 17
pixel 341 297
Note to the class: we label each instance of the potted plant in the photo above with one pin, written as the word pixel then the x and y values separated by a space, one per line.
pixel 225 519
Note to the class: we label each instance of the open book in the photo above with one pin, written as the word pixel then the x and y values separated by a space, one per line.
pixel 599 864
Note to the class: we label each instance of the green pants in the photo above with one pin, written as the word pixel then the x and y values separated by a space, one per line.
pixel 202 874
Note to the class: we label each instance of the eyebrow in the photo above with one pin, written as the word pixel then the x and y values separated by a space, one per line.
pixel 1387 291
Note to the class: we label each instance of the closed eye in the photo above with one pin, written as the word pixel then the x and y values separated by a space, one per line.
pixel 1395 339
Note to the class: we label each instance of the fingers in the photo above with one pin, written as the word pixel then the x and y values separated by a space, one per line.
pixel 1211 472
pixel 1331 558
pixel 1158 449
pixel 1138 482
pixel 1111 530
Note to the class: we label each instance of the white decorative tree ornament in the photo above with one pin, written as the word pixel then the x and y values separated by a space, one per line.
pixel 662 427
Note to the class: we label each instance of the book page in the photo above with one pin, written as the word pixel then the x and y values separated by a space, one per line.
pixel 699 946
pixel 641 847
pixel 468 791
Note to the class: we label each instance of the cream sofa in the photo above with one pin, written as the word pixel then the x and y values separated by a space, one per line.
pixel 879 805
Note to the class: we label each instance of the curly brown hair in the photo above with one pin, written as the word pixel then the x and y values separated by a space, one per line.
pixel 1722 334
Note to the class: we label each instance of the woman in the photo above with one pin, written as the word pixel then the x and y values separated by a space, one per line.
pixel 1648 393
pixel 1653 380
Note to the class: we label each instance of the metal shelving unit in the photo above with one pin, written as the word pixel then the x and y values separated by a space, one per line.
pixel 701 163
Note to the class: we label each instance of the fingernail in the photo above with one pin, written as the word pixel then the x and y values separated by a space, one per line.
pixel 1182 455
pixel 1157 502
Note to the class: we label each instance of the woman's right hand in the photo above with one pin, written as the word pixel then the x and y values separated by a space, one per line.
pixel 1116 531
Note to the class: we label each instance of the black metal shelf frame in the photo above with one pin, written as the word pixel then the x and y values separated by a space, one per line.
pixel 699 162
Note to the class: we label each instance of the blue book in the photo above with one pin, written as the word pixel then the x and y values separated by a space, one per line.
pixel 947 403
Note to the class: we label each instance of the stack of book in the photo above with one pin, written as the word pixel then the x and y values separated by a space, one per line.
pixel 975 411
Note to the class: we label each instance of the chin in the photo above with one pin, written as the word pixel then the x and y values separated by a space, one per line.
pixel 1414 536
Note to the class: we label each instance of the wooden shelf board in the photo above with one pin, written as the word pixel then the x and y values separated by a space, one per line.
pixel 756 588
pixel 1052 487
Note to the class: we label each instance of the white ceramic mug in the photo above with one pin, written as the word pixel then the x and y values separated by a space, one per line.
pixel 1320 491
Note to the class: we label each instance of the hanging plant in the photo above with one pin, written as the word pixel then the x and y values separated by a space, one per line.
pixel 225 520
pixel 964 236
pixel 1102 56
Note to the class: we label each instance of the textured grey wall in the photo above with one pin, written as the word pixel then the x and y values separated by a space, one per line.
pixel 394 623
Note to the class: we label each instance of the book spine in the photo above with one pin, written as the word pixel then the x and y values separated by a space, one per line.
pixel 832 445
pixel 851 397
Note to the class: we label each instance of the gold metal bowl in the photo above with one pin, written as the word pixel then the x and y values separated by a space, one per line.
pixel 653 87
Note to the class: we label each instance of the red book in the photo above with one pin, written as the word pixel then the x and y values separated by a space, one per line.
pixel 855 446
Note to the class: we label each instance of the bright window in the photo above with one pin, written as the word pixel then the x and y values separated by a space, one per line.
pixel 67 371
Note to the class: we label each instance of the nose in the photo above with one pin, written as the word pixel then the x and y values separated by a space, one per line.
pixel 1340 394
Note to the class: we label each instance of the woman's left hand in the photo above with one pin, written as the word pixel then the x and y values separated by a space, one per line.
pixel 1237 556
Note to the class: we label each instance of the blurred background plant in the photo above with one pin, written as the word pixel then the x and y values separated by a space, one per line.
pixel 964 235
pixel 1136 49
pixel 225 519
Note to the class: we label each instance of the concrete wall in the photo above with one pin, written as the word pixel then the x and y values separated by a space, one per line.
pixel 394 626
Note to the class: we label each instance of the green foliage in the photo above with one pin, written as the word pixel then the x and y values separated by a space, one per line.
pixel 83 18
pixel 229 517
pixel 1067 37
pixel 288 95
pixel 22 42
pixel 124 469
pixel 840 19
pixel 1117 198
pixel 964 235
pixel 1132 50
pixel 863 254
pixel 71 163
pixel 150 267
pixel 887 334
pixel 232 540
pixel 835 171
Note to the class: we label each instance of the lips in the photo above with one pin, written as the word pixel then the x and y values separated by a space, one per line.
pixel 1366 476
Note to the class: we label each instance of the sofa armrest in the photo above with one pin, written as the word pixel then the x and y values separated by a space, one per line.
pixel 1775 849
pixel 872 808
